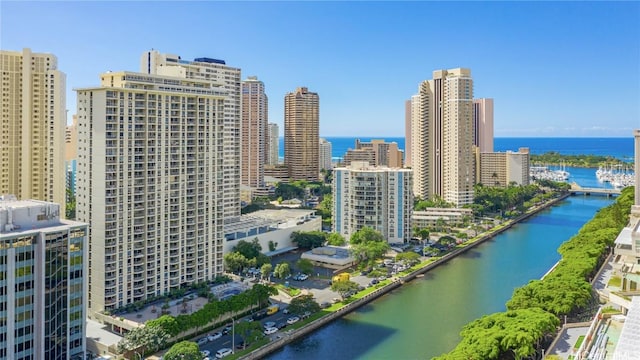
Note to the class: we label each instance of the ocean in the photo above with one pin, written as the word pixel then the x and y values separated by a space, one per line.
pixel 620 148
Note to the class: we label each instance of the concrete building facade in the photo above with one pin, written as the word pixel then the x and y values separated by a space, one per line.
pixel 223 76
pixel 325 155
pixel 377 197
pixel 153 189
pixel 33 121
pixel 43 273
pixel 377 152
pixel 274 144
pixel 442 137
pixel 302 134
pixel 503 168
pixel 254 148
pixel 483 124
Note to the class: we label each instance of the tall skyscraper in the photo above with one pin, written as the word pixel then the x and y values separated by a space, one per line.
pixel 33 121
pixel 254 132
pixel 407 133
pixel 42 282
pixel 376 197
pixel 152 190
pixel 443 155
pixel 483 124
pixel 302 134
pixel 274 144
pixel 325 154
pixel 71 156
pixel 223 76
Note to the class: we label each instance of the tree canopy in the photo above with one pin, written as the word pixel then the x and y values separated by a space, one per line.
pixel 308 239
pixel 249 250
pixel 344 287
pixel 184 350
pixel 302 303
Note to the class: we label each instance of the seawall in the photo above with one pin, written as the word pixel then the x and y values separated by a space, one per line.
pixel 288 337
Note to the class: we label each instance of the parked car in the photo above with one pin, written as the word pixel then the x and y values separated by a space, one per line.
pixel 303 277
pixel 270 330
pixel 214 336
pixel 259 315
pixel 223 352
pixel 374 281
pixel 306 314
pixel 285 311
pixel 293 320
pixel 202 341
pixel 226 330
pixel 205 353
pixel 282 325
pixel 269 324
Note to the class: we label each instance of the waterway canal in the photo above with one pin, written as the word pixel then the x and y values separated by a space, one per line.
pixel 423 318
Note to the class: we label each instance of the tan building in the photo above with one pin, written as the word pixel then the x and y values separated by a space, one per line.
pixel 483 124
pixel 152 184
pixel 33 122
pixel 376 152
pixel 274 144
pixel 325 150
pixel 503 168
pixel 280 172
pixel 443 153
pixel 407 133
pixel 71 140
pixel 302 134
pixel 226 77
pixel 254 148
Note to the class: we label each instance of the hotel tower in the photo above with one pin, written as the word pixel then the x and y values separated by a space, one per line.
pixel 151 155
pixel 302 134
pixel 254 146
pixel 33 123
pixel 442 155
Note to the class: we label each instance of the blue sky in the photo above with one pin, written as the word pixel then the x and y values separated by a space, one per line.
pixel 553 68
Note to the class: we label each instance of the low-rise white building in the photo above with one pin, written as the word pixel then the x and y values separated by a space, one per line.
pixel 377 197
pixel 430 216
pixel 270 226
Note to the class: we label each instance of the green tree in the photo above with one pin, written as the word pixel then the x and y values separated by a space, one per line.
pixel 265 270
pixel 249 331
pixel 272 245
pixel 305 266
pixel 184 350
pixel 336 239
pixel 167 322
pixel 344 287
pixel 302 303
pixel 366 234
pixel 235 262
pixel 143 339
pixel 290 190
pixel 308 239
pixel 70 206
pixel 282 270
pixel 408 257
pixel 250 250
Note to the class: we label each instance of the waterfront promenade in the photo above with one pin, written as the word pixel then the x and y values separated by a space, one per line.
pixel 394 283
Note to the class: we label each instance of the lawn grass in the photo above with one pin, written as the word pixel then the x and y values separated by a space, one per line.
pixel 579 342
pixel 615 281
pixel 291 291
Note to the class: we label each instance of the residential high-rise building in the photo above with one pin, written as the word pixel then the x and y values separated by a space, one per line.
pixel 254 132
pixel 325 155
pixel 274 144
pixel 42 282
pixel 443 153
pixel 221 75
pixel 302 134
pixel 377 197
pixel 407 133
pixel 33 120
pixel 503 168
pixel 483 124
pixel 152 190
pixel 70 157
pixel 376 152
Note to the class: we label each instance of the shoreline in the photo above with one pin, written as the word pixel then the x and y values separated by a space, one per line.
pixel 395 283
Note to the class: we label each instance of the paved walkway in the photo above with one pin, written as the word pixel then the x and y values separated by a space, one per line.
pixel 568 338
